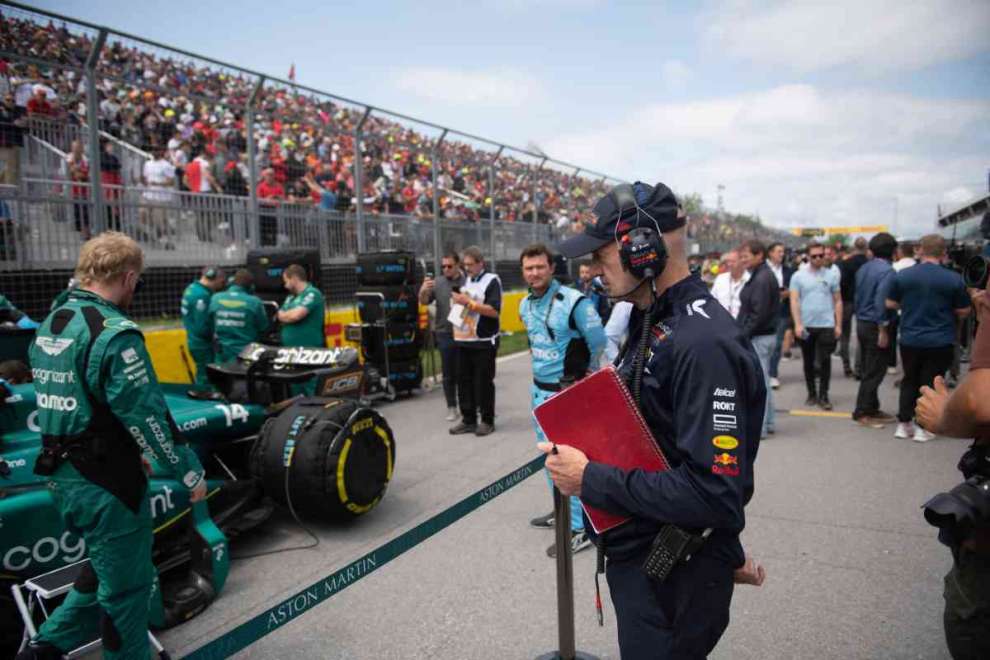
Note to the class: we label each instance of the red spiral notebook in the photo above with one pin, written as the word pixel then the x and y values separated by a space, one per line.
pixel 598 416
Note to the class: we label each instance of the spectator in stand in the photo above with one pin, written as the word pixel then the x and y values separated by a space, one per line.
pixel 930 298
pixel 848 268
pixel 11 140
pixel 236 183
pixel 817 310
pixel 440 290
pixel 158 177
pixel 872 328
pixel 199 180
pixel 758 317
pixel 728 284
pixel 782 272
pixel 38 105
pixel 270 194
pixel 78 170
pixel 112 184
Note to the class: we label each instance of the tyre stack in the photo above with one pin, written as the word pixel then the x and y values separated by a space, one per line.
pixel 268 264
pixel 390 334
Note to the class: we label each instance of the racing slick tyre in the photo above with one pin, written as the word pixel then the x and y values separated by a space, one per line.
pixel 330 459
pixel 388 268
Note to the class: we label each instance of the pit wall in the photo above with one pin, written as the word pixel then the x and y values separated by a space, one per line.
pixel 165 346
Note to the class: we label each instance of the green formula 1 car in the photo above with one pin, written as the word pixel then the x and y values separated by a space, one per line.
pixel 330 457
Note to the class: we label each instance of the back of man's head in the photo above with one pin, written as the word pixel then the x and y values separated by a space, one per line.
pixel 106 257
pixel 860 244
pixel 882 245
pixel 932 245
pixel 906 249
pixel 244 279
pixel 474 253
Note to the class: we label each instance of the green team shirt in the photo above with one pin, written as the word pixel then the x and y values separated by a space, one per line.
pixel 118 374
pixel 237 318
pixel 195 315
pixel 308 331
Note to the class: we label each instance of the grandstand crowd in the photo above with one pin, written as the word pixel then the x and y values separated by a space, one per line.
pixel 191 121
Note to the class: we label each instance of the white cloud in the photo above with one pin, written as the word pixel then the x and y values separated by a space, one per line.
pixel 676 75
pixel 799 155
pixel 462 87
pixel 872 35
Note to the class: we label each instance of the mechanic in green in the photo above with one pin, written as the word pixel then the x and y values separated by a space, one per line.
pixel 237 317
pixel 103 415
pixel 195 319
pixel 301 316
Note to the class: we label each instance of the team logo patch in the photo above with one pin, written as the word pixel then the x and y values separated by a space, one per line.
pixel 725 442
pixel 726 459
pixel 726 470
pixel 129 355
pixel 53 345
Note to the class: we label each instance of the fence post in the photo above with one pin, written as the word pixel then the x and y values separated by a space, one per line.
pixel 358 186
pixel 255 219
pixel 98 218
pixel 491 207
pixel 434 159
pixel 536 178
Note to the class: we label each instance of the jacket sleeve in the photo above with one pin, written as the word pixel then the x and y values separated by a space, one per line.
pixel 131 390
pixel 261 318
pixel 708 488
pixel 589 324
pixel 880 297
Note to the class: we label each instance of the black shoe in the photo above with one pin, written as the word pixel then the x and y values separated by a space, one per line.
pixel 849 372
pixel 462 428
pixel 824 403
pixel 811 401
pixel 579 542
pixel 484 429
pixel 543 522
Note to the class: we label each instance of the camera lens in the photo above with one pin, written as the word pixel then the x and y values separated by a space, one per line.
pixel 975 273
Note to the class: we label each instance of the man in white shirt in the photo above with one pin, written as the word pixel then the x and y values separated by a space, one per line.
pixel 728 284
pixel 904 259
pixel 158 177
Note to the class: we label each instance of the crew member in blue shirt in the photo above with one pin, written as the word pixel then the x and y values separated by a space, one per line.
pixel 566 339
pixel 931 298
pixel 698 383
pixel 872 321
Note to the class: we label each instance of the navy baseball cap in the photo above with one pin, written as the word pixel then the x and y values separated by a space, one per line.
pixel 622 209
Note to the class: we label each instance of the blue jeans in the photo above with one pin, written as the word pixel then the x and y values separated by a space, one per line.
pixel 764 349
pixel 782 323
pixel 538 396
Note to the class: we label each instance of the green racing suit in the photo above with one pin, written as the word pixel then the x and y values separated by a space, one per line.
pixel 306 332
pixel 100 408
pixel 199 334
pixel 237 318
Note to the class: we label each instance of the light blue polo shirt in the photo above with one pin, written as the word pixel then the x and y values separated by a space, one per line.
pixel 815 289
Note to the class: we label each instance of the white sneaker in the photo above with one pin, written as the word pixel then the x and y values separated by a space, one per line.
pixel 903 430
pixel 453 414
pixel 774 383
pixel 921 435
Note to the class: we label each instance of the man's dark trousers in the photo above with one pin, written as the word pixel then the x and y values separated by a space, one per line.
pixel 681 617
pixel 816 350
pixel 448 366
pixel 476 381
pixel 875 361
pixel 921 365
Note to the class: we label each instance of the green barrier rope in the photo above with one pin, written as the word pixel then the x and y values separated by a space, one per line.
pixel 292 607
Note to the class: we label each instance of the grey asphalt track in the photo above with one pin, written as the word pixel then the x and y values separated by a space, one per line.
pixel 853 569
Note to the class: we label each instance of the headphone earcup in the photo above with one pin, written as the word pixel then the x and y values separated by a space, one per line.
pixel 643 253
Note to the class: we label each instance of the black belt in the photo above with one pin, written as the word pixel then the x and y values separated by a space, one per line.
pixel 549 387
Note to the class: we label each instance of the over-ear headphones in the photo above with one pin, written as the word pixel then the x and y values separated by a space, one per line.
pixel 641 249
pixel 210 273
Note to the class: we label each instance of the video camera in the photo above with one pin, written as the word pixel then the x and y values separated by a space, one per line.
pixel 967 505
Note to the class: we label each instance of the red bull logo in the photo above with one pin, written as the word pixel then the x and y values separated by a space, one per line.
pixel 726 459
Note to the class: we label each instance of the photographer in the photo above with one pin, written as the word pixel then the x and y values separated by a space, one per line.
pixel 963 515
pixel 684 359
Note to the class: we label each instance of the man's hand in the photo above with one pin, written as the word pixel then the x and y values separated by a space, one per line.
pixel 752 572
pixel 428 284
pixel 931 404
pixel 566 467
pixel 883 339
pixel 199 492
pixel 799 332
pixel 461 298
pixel 838 331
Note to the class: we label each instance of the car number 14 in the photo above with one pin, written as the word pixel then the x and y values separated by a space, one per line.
pixel 235 412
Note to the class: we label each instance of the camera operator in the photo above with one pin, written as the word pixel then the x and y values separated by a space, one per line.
pixel 102 412
pixel 963 514
pixel 698 383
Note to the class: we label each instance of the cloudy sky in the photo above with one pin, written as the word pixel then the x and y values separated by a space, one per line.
pixel 823 114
